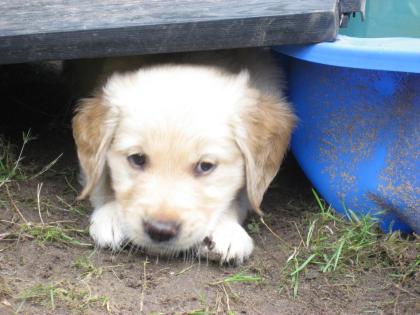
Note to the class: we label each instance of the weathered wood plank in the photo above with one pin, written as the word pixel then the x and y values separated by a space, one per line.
pixel 60 29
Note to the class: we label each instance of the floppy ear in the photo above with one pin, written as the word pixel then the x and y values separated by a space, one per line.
pixel 93 129
pixel 263 137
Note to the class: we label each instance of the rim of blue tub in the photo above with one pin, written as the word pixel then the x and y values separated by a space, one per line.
pixel 401 54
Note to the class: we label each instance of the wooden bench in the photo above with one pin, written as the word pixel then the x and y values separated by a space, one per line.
pixel 67 29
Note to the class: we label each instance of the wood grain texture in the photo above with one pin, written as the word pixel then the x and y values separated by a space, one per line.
pixel 60 29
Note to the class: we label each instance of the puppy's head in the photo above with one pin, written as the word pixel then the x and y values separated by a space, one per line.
pixel 180 143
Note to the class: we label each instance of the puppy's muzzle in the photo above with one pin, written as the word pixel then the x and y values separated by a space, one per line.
pixel 161 231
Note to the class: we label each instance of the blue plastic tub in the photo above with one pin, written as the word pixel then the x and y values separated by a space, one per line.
pixel 358 138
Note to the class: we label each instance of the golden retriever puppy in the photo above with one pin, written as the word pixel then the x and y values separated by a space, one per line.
pixel 174 153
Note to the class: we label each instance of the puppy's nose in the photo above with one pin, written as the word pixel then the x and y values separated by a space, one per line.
pixel 161 231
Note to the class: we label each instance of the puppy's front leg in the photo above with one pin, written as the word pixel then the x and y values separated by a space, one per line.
pixel 228 242
pixel 106 226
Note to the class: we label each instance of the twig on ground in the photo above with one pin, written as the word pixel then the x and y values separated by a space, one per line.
pixel 184 270
pixel 47 167
pixel 272 232
pixel 144 286
pixel 227 298
pixel 14 205
pixel 38 200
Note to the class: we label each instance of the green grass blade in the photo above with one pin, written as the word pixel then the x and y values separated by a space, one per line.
pixel 307 261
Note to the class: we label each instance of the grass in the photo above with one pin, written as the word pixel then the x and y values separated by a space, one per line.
pixel 10 164
pixel 87 268
pixel 240 278
pixel 73 208
pixel 11 170
pixel 334 245
pixel 219 304
pixel 58 293
pixel 198 312
pixel 225 293
pixel 53 233
pixel 253 226
pixel 45 232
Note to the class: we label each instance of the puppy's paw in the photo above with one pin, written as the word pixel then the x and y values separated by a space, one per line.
pixel 229 243
pixel 105 227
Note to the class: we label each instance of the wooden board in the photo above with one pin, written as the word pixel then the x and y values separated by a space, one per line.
pixel 67 29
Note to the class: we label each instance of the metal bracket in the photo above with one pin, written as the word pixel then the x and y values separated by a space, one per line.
pixel 348 7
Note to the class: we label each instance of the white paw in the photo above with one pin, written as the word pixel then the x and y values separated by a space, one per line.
pixel 229 242
pixel 105 227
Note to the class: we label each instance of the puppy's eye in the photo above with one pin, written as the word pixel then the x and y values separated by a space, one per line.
pixel 204 168
pixel 137 160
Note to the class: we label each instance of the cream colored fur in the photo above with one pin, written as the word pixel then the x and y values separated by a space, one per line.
pixel 225 108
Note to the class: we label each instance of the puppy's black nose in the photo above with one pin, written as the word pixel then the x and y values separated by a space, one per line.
pixel 161 231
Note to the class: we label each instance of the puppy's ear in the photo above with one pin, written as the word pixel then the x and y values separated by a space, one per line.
pixel 263 137
pixel 93 129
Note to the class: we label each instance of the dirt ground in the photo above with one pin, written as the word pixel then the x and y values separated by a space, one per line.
pixel 41 275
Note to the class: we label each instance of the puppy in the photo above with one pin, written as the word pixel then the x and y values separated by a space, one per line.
pixel 175 152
